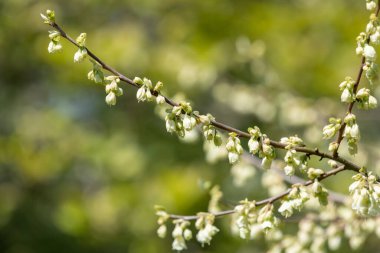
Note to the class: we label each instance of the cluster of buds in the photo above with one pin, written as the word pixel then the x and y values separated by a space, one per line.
pixel 54 44
pixel 234 148
pixel 209 131
pixel 347 88
pixel 112 89
pixel 351 133
pixel 295 200
pixel 81 54
pixel 291 158
pixel 180 119
pixel 260 144
pixel 331 129
pixel 96 74
pixel 163 216
pixel 181 234
pixel 206 228
pixel 266 218
pixel 247 216
pixel 54 36
pixel 365 99
pixel 365 192
pixel 146 90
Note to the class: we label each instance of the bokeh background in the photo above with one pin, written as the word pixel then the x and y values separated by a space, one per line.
pixel 79 176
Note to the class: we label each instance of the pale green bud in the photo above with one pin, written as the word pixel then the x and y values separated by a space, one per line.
pixel 138 80
pixel 148 83
pixel 217 140
pixel 81 39
pixel 266 163
pixel 158 86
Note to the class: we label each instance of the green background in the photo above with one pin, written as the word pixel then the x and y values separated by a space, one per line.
pixel 79 176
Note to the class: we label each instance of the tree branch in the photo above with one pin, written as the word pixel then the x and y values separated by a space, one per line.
pixel 264 201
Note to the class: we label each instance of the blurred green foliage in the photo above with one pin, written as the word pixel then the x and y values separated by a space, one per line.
pixel 79 176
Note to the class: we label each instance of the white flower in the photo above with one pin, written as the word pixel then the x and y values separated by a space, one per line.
pixel 54 47
pixel 161 231
pixel 289 170
pixel 369 53
pixel 170 126
pixel 179 244
pixel 141 94
pixel 189 122
pixel 111 98
pixel 347 96
pixel 205 235
pixel 187 234
pixel 253 146
pixel 233 157
pixel 375 38
pixel 160 100
pixel 359 50
pixel 80 55
pixel 371 5
pixel 286 209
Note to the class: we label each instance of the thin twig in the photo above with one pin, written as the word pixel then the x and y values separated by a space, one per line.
pixel 264 201
pixel 356 85
pixel 348 165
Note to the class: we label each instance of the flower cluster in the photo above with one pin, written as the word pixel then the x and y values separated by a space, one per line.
pixel 351 133
pixel 180 119
pixel 295 200
pixel 81 54
pixel 260 144
pixel 49 17
pixel 206 228
pixel 209 131
pixel 266 218
pixel 112 89
pixel 366 39
pixel 365 99
pixel 163 216
pixel 331 129
pixel 147 92
pixel 96 74
pixel 181 234
pixel 234 148
pixel 292 159
pixel 54 44
pixel 247 216
pixel 365 192
pixel 55 36
pixel 347 88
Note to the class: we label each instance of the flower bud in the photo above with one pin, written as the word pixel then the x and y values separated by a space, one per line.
pixel 369 53
pixel 111 98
